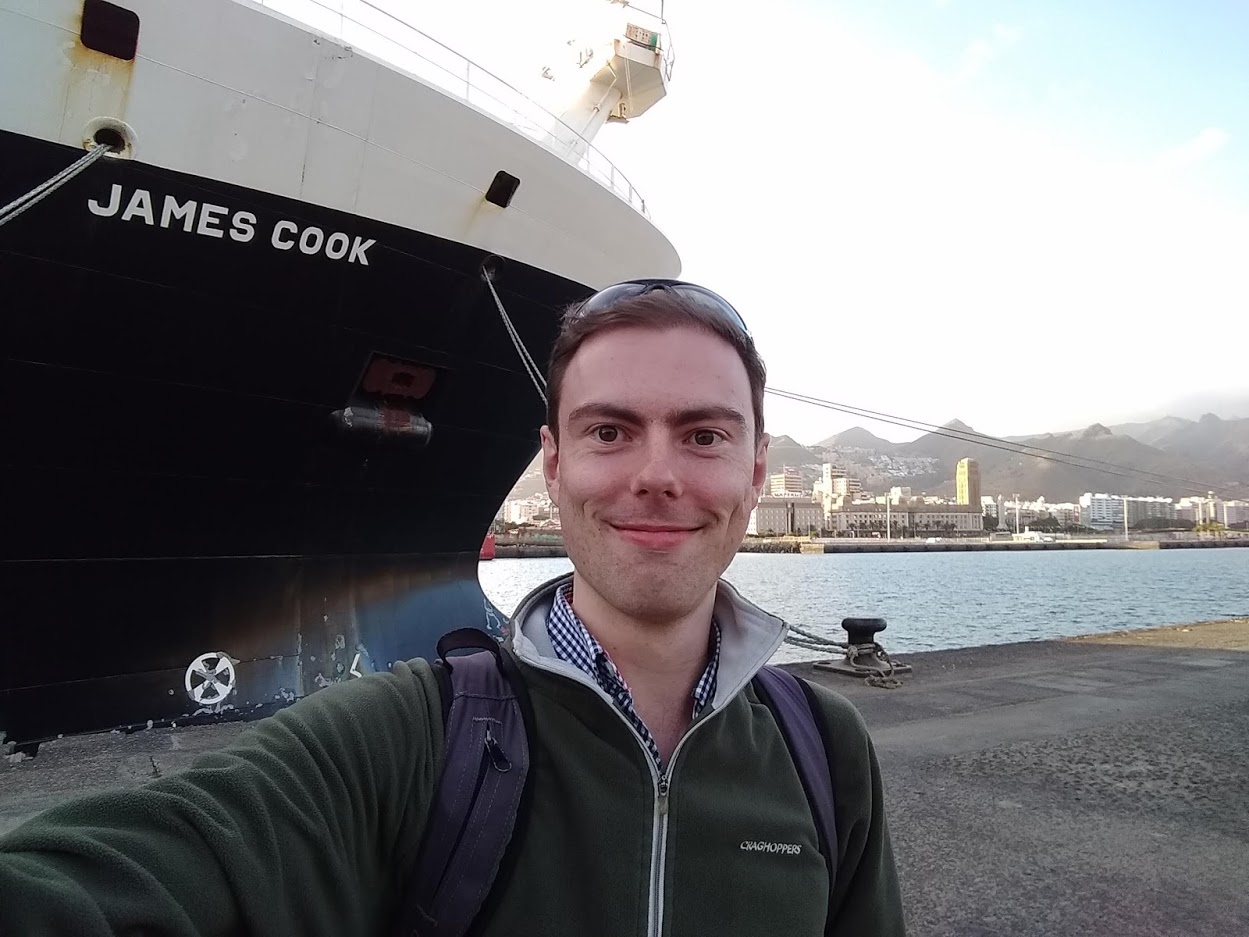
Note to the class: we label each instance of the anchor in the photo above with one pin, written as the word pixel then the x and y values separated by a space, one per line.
pixel 865 657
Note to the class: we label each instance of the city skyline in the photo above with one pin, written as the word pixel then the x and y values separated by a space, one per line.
pixel 837 504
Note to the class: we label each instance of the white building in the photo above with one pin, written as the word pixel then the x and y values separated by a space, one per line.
pixel 865 519
pixel 951 518
pixel 847 487
pixel 834 488
pixel 532 510
pixel 783 517
pixel 1231 513
pixel 1227 513
pixel 1101 511
pixel 786 484
pixel 1067 514
pixel 1106 511
pixel 1140 509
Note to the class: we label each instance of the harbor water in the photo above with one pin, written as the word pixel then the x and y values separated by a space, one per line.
pixel 935 601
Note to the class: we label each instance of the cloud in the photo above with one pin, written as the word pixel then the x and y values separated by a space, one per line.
pixel 981 51
pixel 1194 151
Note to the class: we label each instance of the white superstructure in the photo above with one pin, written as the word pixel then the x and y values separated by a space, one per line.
pixel 408 133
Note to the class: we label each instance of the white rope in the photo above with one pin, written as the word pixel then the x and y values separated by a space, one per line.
pixel 40 192
pixel 535 373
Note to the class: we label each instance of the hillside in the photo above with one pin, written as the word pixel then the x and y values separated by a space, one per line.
pixel 1222 444
pixel 857 438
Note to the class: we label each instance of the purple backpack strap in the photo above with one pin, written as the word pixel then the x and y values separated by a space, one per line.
pixel 474 811
pixel 792 707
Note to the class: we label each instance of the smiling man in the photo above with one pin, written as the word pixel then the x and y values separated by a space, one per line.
pixel 661 798
pixel 655 452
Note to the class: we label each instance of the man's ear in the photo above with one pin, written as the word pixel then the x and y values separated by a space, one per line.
pixel 550 463
pixel 760 478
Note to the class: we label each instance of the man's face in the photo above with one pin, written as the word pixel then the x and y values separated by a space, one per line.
pixel 657 468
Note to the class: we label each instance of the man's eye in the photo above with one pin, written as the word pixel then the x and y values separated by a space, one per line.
pixel 607 433
pixel 705 437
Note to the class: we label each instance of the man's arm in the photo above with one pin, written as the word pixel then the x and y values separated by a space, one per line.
pixel 866 897
pixel 302 826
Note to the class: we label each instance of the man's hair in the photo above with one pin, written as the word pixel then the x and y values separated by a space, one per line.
pixel 658 310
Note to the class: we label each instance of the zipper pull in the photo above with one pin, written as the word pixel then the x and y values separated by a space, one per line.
pixel 497 756
pixel 661 802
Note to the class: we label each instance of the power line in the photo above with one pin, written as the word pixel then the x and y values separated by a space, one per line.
pixel 975 437
pixel 996 442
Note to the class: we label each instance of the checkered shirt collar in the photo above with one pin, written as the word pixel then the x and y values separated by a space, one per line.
pixel 572 642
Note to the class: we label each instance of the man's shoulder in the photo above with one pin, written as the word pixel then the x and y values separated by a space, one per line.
pixel 841 717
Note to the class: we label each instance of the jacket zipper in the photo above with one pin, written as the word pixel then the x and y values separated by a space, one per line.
pixel 659 846
pixel 662 781
pixel 663 789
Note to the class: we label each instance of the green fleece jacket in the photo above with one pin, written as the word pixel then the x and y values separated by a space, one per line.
pixel 309 823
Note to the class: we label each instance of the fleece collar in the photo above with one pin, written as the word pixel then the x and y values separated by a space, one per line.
pixel 749 637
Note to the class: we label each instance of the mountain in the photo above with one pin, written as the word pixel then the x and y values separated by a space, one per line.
pixel 1222 444
pixel 530 482
pixel 1153 432
pixel 945 448
pixel 856 438
pixel 785 450
pixel 1008 472
pixel 1209 452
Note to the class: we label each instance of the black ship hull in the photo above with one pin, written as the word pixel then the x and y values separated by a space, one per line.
pixel 254 435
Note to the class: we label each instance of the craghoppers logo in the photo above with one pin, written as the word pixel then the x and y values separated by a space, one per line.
pixel 788 849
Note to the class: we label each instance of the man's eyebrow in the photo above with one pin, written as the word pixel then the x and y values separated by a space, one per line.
pixel 604 411
pixel 708 414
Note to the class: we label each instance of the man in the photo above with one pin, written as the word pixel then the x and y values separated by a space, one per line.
pixel 654 764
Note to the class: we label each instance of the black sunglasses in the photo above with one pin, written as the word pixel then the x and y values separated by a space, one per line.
pixel 692 293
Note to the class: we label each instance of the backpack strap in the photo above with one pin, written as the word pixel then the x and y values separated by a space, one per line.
pixel 474 812
pixel 796 714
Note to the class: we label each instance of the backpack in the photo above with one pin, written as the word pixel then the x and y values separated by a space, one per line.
pixel 488 723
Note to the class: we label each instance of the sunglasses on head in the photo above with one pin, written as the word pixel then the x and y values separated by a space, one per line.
pixel 692 293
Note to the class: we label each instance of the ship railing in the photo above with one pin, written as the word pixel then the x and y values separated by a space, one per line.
pixel 370 28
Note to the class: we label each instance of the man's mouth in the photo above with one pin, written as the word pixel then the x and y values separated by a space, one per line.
pixel 655 536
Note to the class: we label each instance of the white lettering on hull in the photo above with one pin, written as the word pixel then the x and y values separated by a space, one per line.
pixel 207 220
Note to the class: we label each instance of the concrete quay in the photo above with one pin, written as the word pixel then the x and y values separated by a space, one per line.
pixel 1093 786
pixel 873 545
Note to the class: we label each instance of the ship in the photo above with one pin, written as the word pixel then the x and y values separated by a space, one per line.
pixel 271 274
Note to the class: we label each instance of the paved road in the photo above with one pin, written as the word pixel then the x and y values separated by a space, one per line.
pixel 1065 788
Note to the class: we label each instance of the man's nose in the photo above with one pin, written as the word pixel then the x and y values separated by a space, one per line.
pixel 658 472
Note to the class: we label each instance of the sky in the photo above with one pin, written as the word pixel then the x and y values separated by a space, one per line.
pixel 1030 217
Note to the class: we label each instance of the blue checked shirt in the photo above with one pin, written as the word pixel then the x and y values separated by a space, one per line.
pixel 574 644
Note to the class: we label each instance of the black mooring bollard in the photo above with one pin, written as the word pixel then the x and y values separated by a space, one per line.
pixel 863 630
pixel 864 655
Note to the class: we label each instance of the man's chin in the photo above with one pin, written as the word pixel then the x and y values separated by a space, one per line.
pixel 651 589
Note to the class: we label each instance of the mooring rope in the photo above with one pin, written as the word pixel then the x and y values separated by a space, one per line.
pixel 43 190
pixel 531 367
pixel 809 640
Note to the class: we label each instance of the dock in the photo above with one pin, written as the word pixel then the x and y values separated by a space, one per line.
pixel 1092 786
pixel 510 549
pixel 1095 786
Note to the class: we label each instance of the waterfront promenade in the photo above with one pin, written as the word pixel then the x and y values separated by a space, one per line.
pixel 551 546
